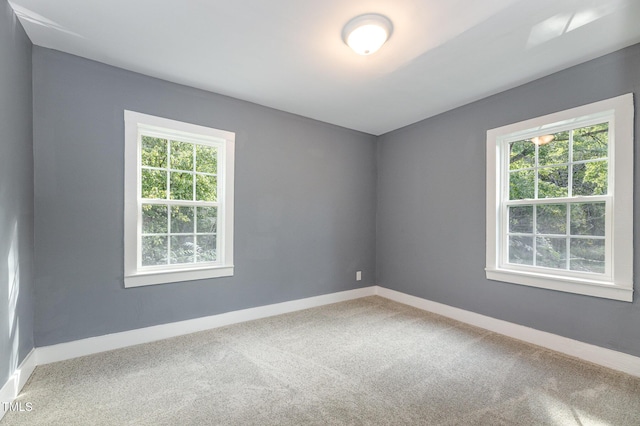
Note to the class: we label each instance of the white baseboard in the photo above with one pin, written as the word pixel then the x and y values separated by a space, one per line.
pixel 92 345
pixel 14 385
pixel 598 355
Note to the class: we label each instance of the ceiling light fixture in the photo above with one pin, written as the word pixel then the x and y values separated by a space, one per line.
pixel 365 34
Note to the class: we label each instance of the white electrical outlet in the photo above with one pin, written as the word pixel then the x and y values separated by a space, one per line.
pixel 358 275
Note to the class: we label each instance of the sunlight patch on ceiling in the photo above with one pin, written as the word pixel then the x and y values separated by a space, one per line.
pixel 563 23
pixel 27 15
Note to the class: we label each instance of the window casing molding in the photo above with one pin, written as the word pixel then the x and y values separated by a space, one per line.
pixel 137 125
pixel 616 282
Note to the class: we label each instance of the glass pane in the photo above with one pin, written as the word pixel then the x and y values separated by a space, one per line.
pixel 154 152
pixel 590 178
pixel 521 219
pixel 206 159
pixel 588 219
pixel 154 219
pixel 522 154
pixel 181 186
pixel 554 152
pixel 206 248
pixel 553 182
pixel 207 218
pixel 521 185
pixel 182 156
pixel 587 255
pixel 591 142
pixel 206 188
pixel 521 250
pixel 551 219
pixel 551 252
pixel 154 251
pixel 182 249
pixel 181 220
pixel 154 184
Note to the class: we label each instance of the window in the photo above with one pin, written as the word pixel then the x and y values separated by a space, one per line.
pixel 178 201
pixel 560 201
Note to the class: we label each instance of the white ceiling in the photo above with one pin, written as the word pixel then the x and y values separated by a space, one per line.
pixel 289 55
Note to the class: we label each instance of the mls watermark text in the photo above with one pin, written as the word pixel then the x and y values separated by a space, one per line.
pixel 17 406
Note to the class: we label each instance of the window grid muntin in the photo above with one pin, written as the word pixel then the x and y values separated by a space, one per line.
pixel 194 140
pixel 602 118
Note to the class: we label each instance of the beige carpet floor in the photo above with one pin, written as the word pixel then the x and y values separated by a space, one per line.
pixel 365 362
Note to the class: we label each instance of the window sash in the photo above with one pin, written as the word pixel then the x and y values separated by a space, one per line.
pixel 504 150
pixel 505 202
pixel 567 235
pixel 172 136
pixel 184 265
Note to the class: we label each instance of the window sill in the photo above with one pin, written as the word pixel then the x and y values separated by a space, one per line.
pixel 566 284
pixel 162 277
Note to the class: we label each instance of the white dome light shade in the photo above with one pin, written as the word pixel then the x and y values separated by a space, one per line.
pixel 366 34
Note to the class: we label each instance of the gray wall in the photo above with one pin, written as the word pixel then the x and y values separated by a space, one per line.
pixel 304 211
pixel 431 208
pixel 16 194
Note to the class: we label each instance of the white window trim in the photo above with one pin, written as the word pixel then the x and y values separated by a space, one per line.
pixel 618 284
pixel 135 277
